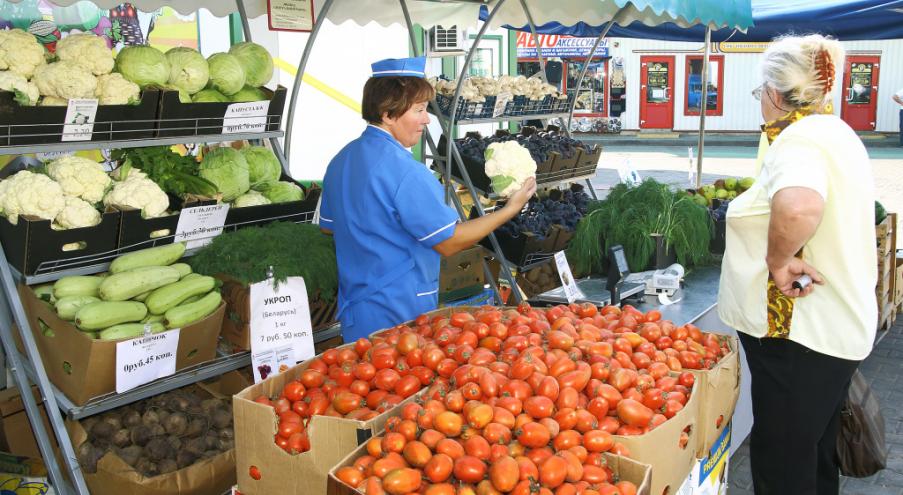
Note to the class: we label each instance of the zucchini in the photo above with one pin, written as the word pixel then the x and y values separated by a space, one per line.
pixel 69 305
pixel 172 295
pixel 152 318
pixel 184 268
pixel 126 285
pixel 187 314
pixel 128 331
pixel 141 297
pixel 76 285
pixel 193 299
pixel 103 314
pixel 155 256
pixel 192 275
pixel 44 293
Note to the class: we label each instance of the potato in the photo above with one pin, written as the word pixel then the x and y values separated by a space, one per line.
pixel 122 438
pixel 150 418
pixel 130 454
pixel 185 458
pixel 131 419
pixel 88 455
pixel 222 418
pixel 167 466
pixel 176 424
pixel 101 430
pixel 140 435
pixel 158 448
pixel 197 427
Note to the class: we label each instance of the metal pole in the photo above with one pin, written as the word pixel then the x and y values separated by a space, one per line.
pixel 589 59
pixel 242 13
pixel 296 87
pixel 703 105
pixel 542 63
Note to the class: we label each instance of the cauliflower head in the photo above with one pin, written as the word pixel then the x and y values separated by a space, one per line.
pixel 28 193
pixel 20 52
pixel 139 193
pixel 77 213
pixel 88 51
pixel 53 101
pixel 26 92
pixel 80 177
pixel 250 198
pixel 113 89
pixel 65 79
pixel 508 164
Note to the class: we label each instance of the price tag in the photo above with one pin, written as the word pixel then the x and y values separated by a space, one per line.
pixel 79 123
pixel 280 325
pixel 198 225
pixel 145 359
pixel 501 102
pixel 571 291
pixel 290 15
pixel 691 172
pixel 627 173
pixel 246 117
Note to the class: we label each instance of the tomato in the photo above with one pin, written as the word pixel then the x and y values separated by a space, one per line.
pixel 469 469
pixel 293 391
pixel 438 468
pixel 597 441
pixel 686 379
pixel 479 416
pixel 300 408
pixel 254 472
pixel 671 408
pixel 504 473
pixel 539 406
pixel 626 487
pixel 407 386
pixel 594 474
pixel 553 471
pixel 401 481
pixel 620 449
pixel 416 453
pixel 438 489
pixel 311 378
pixel 495 433
pixel 585 421
pixel 533 435
pixel 361 346
pixel 349 475
pixel 289 428
pixel 574 466
pixel 345 402
pixel 449 423
pixel 478 447
pixel 566 418
pixel 364 371
pixel 386 379
pixel 384 358
pixel 393 442
pixel 653 398
pixel 390 462
pixel 375 446
pixel 567 439
pixel 634 413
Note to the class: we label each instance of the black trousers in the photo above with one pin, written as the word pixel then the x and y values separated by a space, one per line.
pixel 797 395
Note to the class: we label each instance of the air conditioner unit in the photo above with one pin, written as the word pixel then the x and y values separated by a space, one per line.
pixel 444 39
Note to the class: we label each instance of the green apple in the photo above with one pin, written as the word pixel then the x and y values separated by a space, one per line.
pixel 730 184
pixel 746 183
pixel 721 193
pixel 731 194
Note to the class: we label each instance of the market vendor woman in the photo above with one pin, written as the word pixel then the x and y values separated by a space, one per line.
pixel 386 209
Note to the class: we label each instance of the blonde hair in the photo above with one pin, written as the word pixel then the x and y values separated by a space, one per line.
pixel 802 68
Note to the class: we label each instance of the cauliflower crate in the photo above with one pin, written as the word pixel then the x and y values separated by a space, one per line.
pixel 199 119
pixel 137 232
pixel 20 125
pixel 289 211
pixel 84 368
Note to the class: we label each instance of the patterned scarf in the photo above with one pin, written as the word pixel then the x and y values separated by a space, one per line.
pixel 780 307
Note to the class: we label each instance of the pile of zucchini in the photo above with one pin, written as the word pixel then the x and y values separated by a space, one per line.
pixel 146 287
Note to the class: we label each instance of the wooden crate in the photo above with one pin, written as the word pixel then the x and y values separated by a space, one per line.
pixel 886 289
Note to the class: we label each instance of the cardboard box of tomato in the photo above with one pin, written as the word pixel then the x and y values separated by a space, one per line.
pixel 624 469
pixel 718 389
pixel 264 468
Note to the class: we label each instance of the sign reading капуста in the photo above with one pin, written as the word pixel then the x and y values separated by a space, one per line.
pixel 246 117
pixel 145 359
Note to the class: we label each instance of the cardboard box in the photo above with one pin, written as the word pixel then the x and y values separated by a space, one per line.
pixel 461 275
pixel 624 469
pixel 719 390
pixel 214 475
pixel 237 322
pixel 84 368
pixel 331 439
pixel 198 119
pixel 709 475
pixel 18 437
pixel 660 448
pixel 38 125
pixel 31 244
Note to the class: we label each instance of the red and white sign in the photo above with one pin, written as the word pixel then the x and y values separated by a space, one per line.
pixel 554 45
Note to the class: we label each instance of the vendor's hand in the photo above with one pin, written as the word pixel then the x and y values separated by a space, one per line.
pixel 520 198
pixel 785 274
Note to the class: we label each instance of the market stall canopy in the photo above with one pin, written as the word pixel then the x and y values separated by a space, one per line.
pixel 464 13
pixel 843 19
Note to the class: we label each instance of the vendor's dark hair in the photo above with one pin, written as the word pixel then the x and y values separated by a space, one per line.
pixel 393 96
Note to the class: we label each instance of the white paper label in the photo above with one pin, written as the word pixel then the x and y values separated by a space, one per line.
pixel 145 359
pixel 571 291
pixel 501 102
pixel 79 124
pixel 272 362
pixel 198 225
pixel 246 117
pixel 627 173
pixel 291 15
pixel 280 322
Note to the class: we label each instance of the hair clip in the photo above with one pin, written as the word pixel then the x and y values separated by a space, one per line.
pixel 825 69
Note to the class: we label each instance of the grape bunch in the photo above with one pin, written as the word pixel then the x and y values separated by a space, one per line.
pixel 564 208
pixel 539 144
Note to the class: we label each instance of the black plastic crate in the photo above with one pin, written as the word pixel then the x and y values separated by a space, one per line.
pixel 198 119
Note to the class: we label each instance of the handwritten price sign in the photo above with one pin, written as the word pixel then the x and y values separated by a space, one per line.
pixel 199 225
pixel 145 359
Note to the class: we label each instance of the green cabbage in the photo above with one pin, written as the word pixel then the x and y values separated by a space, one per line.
pixel 281 192
pixel 143 65
pixel 263 166
pixel 249 93
pixel 228 169
pixel 226 74
pixel 209 96
pixel 250 198
pixel 255 60
pixel 188 70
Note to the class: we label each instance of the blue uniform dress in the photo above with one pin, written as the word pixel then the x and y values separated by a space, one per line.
pixel 386 213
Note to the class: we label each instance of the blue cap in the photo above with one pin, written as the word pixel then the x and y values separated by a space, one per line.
pixel 395 67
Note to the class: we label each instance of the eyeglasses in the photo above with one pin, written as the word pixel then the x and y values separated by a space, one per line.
pixel 757 93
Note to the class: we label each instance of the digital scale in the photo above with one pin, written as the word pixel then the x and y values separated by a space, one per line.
pixel 665 281
pixel 600 291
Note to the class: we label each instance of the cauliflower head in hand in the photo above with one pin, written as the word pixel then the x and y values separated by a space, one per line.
pixel 140 193
pixel 26 92
pixel 77 213
pixel 65 79
pixel 113 89
pixel 20 52
pixel 80 177
pixel 28 193
pixel 88 51
pixel 508 164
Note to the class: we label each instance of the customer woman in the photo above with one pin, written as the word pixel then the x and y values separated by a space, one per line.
pixel 386 209
pixel 810 212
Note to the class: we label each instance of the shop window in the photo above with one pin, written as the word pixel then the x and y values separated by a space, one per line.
pixel 592 96
pixel 693 85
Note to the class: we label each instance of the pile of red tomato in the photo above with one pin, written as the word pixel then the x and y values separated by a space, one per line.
pixel 518 401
